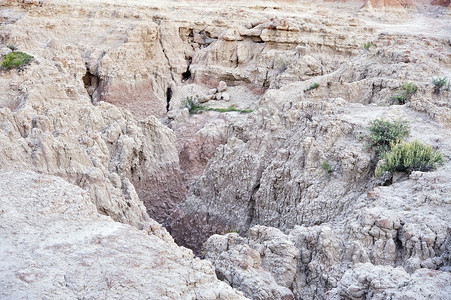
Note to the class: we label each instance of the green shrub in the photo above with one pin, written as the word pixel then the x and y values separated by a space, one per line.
pixel 440 82
pixel 408 157
pixel 16 59
pixel 384 134
pixel 404 93
pixel 325 165
pixel 191 103
pixel 194 107
pixel 313 86
pixel 367 45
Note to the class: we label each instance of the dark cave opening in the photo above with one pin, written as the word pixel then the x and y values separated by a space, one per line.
pixel 187 74
pixel 168 98
pixel 91 83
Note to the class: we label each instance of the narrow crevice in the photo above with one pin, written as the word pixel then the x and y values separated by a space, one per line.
pixel 91 83
pixel 399 248
pixel 168 98
pixel 164 52
pixel 187 74
pixel 251 206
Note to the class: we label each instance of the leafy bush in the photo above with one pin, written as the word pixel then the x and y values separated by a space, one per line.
pixel 194 107
pixel 440 82
pixel 191 103
pixel 367 45
pixel 313 86
pixel 16 59
pixel 325 165
pixel 404 93
pixel 384 134
pixel 408 157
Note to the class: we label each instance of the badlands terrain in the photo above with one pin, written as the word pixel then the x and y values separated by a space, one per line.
pixel 219 150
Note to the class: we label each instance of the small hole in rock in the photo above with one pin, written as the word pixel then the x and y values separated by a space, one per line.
pixel 186 75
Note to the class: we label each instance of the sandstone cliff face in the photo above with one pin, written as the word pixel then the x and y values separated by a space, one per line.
pixel 269 172
pixel 59 127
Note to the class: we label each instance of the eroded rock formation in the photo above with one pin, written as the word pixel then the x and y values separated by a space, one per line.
pixel 105 106
pixel 58 246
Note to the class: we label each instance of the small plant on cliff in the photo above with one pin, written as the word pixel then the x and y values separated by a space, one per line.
pixel 233 230
pixel 404 93
pixel 384 134
pixel 15 59
pixel 408 157
pixel 313 86
pixel 194 107
pixel 367 45
pixel 440 82
pixel 325 165
pixel 191 103
pixel 282 64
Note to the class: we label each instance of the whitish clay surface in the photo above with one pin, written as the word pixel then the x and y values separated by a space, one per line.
pixel 56 246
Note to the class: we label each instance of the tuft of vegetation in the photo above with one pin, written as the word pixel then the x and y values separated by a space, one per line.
pixel 191 103
pixel 408 157
pixel 16 59
pixel 404 93
pixel 313 86
pixel 282 64
pixel 367 45
pixel 440 82
pixel 228 109
pixel 233 230
pixel 194 107
pixel 325 165
pixel 384 134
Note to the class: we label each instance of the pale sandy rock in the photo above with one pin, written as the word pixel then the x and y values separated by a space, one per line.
pixel 222 87
pixel 205 98
pixel 381 282
pixel 55 129
pixel 212 91
pixel 240 265
pixel 104 156
pixel 4 51
pixel 242 169
pixel 57 145
pixel 225 96
pixel 64 249
pixel 384 231
pixel 273 176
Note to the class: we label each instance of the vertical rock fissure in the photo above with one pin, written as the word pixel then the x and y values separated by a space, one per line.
pixel 91 83
pixel 164 52
pixel 252 204
pixel 187 74
pixel 168 98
